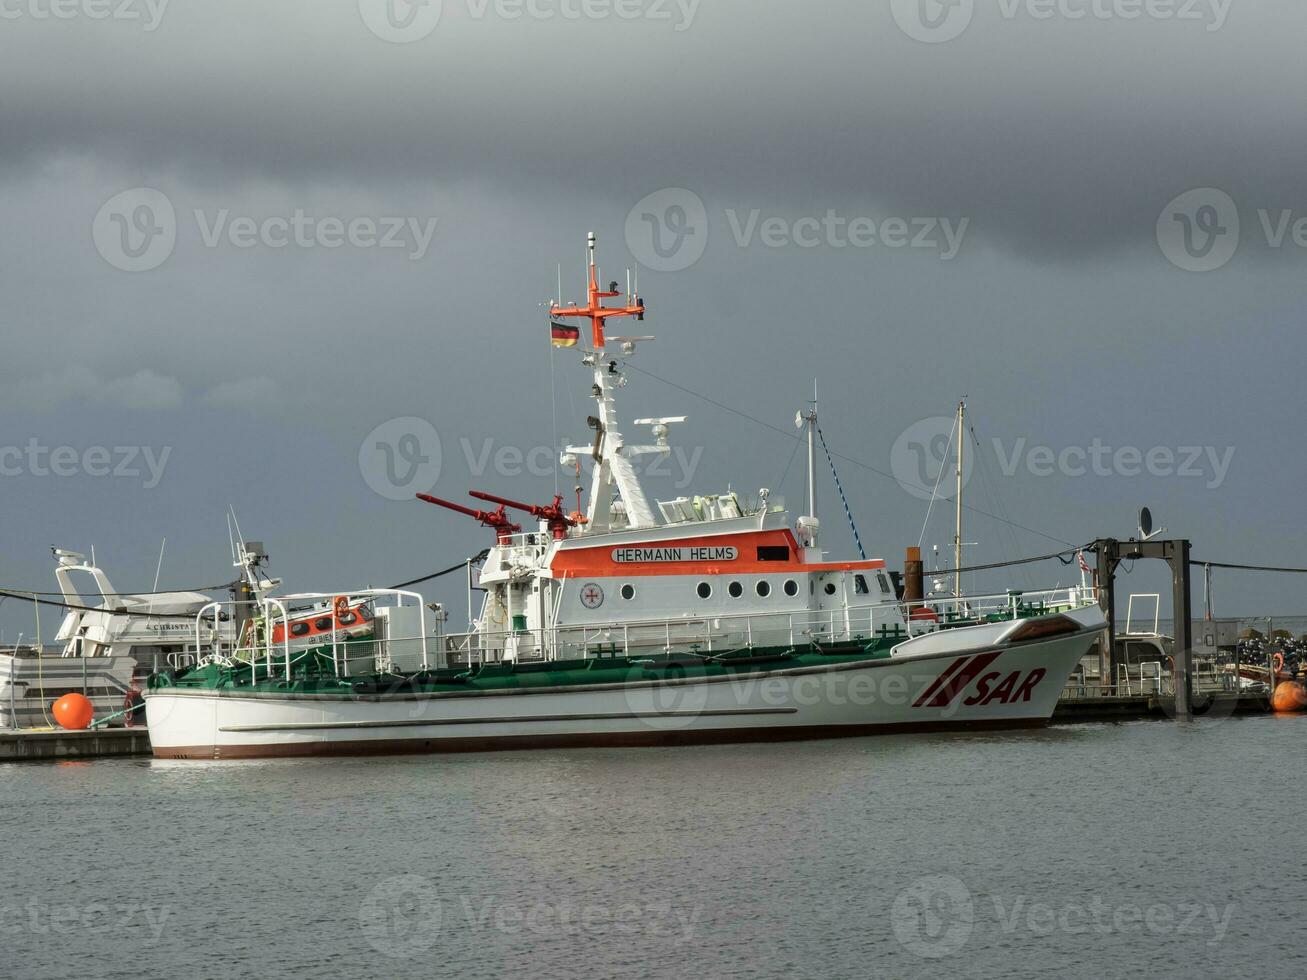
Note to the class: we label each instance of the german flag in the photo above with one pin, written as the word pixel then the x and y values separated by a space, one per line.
pixel 563 334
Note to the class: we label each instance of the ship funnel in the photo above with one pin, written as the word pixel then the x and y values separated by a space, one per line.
pixel 913 576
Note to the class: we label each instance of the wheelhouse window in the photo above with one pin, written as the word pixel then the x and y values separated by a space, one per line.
pixel 773 552
pixel 860 585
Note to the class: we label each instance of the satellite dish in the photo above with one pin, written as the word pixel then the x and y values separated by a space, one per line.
pixel 1146 530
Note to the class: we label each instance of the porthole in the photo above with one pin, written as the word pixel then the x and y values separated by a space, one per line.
pixel 705 590
pixel 322 624
pixel 763 588
pixel 735 589
pixel 348 619
pixel 830 588
pixel 298 629
pixel 628 591
pixel 791 587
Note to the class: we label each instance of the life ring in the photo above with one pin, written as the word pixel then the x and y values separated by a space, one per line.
pixel 341 605
pixel 1277 659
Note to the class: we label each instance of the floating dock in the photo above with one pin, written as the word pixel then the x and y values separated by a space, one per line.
pixel 45 744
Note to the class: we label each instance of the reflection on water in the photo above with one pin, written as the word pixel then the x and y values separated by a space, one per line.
pixel 1096 850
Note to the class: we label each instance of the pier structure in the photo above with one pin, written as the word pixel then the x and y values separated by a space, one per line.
pixel 1175 552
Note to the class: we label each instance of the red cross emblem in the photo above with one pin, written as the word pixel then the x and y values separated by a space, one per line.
pixel 592 596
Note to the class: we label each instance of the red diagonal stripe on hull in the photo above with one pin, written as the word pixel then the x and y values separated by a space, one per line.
pixel 962 678
pixel 934 685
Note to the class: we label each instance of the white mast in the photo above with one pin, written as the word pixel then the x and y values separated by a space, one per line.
pixel 611 454
pixel 809 521
pixel 957 532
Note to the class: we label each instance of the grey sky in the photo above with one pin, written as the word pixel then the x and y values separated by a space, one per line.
pixel 260 369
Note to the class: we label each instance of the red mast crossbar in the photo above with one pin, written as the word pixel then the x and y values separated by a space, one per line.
pixel 552 514
pixel 594 310
pixel 496 519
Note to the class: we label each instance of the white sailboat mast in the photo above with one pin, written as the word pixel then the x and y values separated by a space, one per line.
pixel 957 528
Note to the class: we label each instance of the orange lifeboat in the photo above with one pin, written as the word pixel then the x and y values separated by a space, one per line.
pixel 347 622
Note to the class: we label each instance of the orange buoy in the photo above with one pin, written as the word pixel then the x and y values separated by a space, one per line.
pixel 74 712
pixel 1289 696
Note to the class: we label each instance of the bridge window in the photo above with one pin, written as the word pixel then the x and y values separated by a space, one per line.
pixel 763 588
pixel 860 585
pixel 705 590
pixel 773 552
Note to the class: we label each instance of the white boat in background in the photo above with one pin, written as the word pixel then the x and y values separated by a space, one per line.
pixel 105 647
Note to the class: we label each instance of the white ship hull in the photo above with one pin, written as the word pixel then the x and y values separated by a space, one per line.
pixel 955 679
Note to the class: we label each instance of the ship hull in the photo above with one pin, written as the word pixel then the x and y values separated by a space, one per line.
pixel 952 684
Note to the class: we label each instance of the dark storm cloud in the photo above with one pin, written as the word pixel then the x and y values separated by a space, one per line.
pixel 1057 134
pixel 261 370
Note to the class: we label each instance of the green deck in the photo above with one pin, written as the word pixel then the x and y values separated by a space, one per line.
pixel 313 672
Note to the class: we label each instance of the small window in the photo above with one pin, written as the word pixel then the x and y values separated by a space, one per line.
pixel 628 591
pixel 365 612
pixel 705 590
pixel 860 585
pixel 763 588
pixel 322 624
pixel 830 588
pixel 773 552
pixel 884 583
pixel 735 589
pixel 791 587
pixel 348 619
pixel 298 629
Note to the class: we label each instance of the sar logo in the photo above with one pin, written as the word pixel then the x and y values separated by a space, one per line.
pixel 592 596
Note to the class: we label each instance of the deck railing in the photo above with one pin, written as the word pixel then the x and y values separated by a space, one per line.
pixel 719 634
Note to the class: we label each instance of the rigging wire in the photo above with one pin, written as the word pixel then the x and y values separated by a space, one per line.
pixel 844 500
pixel 445 571
pixel 1250 568
pixel 849 459
pixel 935 492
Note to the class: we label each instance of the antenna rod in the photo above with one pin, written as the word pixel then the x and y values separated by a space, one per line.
pixel 957 535
pixel 812 454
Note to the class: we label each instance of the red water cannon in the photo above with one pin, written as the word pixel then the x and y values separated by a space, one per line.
pixel 552 514
pixel 495 519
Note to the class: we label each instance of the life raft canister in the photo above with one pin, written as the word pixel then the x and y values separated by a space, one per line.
pixel 341 606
